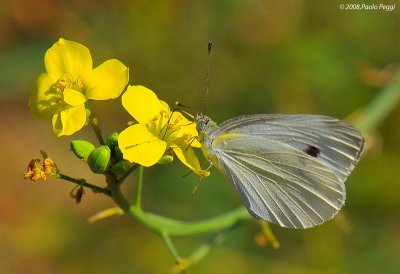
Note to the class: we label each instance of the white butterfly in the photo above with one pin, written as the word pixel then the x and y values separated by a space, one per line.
pixel 288 169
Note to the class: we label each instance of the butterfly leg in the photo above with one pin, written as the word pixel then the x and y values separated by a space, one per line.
pixel 200 179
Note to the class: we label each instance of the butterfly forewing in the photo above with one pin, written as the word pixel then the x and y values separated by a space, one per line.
pixel 339 145
pixel 288 169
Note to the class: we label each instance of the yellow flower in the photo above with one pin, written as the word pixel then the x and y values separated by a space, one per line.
pixel 70 81
pixel 158 131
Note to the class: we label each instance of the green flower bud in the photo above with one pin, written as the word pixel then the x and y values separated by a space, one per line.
pixel 119 168
pixel 118 154
pixel 98 159
pixel 166 159
pixel 112 140
pixel 81 148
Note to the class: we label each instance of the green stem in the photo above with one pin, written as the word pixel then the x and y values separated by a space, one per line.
pixel 172 227
pixel 380 107
pixel 182 264
pixel 270 237
pixel 170 246
pixel 83 182
pixel 127 173
pixel 205 248
pixel 138 193
pixel 94 123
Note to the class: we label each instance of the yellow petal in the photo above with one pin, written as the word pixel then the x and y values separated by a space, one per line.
pixel 189 159
pixel 44 99
pixel 73 97
pixel 195 143
pixel 164 105
pixel 107 81
pixel 138 145
pixel 142 103
pixel 69 120
pixel 68 57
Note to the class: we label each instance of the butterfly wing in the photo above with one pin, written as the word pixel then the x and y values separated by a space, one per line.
pixel 288 169
pixel 338 144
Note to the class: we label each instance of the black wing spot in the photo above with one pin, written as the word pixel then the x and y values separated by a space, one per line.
pixel 312 151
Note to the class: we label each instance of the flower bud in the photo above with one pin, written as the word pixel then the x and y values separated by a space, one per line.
pixel 81 148
pixel 119 168
pixel 118 153
pixel 98 159
pixel 112 140
pixel 166 159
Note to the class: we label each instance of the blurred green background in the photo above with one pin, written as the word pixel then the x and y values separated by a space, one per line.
pixel 269 56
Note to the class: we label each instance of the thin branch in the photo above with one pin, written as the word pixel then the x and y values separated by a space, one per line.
pixel 380 107
pixel 84 183
pixel 138 193
pixel 160 224
pixel 94 123
pixel 127 173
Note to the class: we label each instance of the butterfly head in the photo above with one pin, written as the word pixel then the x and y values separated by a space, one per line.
pixel 204 123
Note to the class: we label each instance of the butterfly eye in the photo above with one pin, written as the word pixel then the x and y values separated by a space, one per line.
pixel 202 124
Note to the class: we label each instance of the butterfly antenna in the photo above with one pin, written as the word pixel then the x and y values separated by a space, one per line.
pixel 208 74
pixel 181 106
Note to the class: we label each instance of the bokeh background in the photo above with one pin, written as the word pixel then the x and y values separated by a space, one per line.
pixel 269 56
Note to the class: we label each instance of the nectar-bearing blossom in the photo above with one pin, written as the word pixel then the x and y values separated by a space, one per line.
pixel 70 81
pixel 158 131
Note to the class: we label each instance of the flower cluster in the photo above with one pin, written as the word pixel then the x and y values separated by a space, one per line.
pixel 65 91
